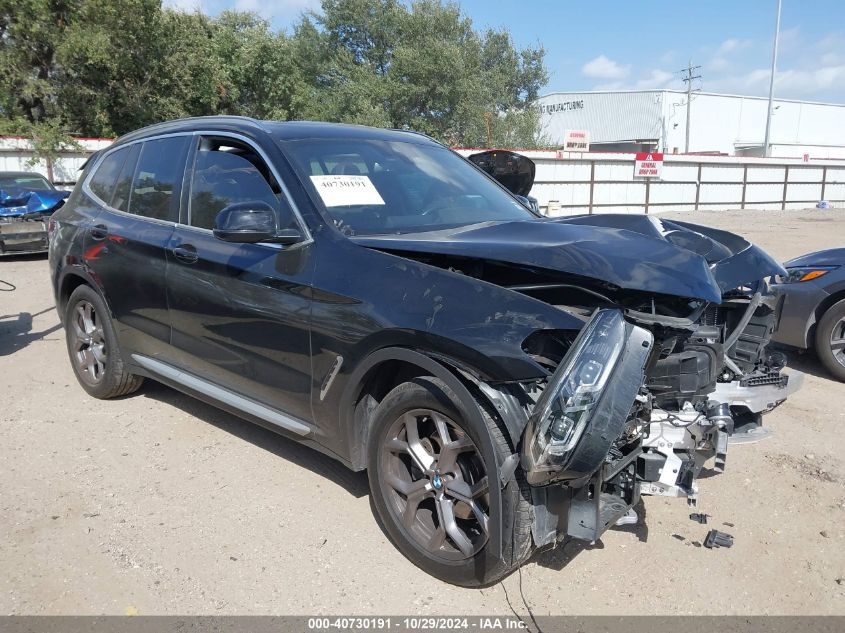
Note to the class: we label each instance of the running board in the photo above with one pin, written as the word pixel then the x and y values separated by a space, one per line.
pixel 223 395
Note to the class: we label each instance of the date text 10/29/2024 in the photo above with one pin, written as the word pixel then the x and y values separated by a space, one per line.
pixel 416 623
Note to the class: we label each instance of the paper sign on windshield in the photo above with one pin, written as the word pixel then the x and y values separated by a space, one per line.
pixel 339 191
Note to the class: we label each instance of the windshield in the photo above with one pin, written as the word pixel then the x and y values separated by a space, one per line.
pixel 372 187
pixel 28 182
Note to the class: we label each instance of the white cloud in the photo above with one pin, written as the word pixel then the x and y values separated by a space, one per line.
pixel 277 7
pixel 604 68
pixel 266 9
pixel 813 81
pixel 667 58
pixel 830 41
pixel 790 39
pixel 732 45
pixel 655 79
pixel 186 5
pixel 822 83
pixel 831 59
pixel 717 64
pixel 721 59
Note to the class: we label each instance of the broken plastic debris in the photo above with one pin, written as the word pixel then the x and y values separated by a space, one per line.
pixel 715 538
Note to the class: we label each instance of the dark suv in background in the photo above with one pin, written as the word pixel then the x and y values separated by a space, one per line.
pixel 507 380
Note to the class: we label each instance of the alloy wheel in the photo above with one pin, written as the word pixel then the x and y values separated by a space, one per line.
pixel 837 341
pixel 88 343
pixel 436 485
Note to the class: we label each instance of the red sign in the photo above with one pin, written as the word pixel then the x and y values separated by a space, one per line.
pixel 648 165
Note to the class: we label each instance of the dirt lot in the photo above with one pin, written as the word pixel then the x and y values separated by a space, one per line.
pixel 158 504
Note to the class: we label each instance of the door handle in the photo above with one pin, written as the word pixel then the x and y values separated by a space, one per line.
pixel 99 231
pixel 185 253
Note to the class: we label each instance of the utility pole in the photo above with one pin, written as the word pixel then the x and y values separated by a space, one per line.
pixel 767 148
pixel 689 79
pixel 488 123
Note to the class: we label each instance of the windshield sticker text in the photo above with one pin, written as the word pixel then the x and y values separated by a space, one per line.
pixel 341 191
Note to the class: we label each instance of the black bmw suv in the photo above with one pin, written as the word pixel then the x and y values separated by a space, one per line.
pixel 507 380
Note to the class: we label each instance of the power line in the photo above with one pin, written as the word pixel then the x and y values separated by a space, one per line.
pixel 689 70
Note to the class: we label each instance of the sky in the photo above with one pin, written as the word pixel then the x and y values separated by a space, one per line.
pixel 643 44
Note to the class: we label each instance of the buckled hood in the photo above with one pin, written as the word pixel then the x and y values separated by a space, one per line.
pixel 17 202
pixel 630 252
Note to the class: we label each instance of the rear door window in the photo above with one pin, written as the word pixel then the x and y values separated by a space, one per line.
pixel 103 181
pixel 158 178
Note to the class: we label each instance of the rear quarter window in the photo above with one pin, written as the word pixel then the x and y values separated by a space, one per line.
pixel 103 181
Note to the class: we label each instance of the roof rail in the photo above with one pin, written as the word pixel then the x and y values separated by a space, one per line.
pixel 186 122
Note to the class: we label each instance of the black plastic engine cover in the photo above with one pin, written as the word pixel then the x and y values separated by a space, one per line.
pixel 689 375
pixel 750 349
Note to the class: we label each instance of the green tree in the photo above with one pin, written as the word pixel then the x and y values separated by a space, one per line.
pixel 421 67
pixel 104 67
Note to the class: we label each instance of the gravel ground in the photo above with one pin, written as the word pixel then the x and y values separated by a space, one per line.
pixel 159 504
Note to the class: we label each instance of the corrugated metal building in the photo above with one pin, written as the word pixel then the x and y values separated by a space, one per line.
pixel 655 120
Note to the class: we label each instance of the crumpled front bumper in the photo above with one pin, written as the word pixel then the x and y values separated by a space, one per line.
pixel 758 398
pixel 18 236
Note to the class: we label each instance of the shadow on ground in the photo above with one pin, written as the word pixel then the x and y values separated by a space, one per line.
pixel 290 450
pixel 559 557
pixel 16 331
pixel 807 362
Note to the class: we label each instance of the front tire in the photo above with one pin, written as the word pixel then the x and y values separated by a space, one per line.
pixel 830 340
pixel 93 349
pixel 431 486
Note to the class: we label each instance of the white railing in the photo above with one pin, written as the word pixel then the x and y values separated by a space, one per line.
pixel 17 154
pixel 575 183
pixel 571 183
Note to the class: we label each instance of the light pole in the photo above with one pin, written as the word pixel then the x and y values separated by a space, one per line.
pixel 767 149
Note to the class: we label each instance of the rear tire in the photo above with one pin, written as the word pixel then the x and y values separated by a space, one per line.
pixel 830 340
pixel 93 349
pixel 439 517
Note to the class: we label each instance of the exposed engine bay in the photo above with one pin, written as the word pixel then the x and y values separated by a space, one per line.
pixel 701 359
pixel 706 380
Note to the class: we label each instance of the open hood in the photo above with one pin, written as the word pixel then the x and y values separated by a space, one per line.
pixel 640 255
pixel 513 171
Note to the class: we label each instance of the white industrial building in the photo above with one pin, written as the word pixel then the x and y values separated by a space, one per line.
pixel 731 125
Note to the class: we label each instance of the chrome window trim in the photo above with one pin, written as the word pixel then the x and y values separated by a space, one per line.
pixel 308 239
pixel 86 188
pixel 196 133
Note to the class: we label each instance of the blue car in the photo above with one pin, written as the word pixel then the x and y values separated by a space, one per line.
pixel 813 307
pixel 27 200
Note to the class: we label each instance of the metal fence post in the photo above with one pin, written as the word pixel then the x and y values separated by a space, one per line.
pixel 592 183
pixel 744 183
pixel 698 187
pixel 824 181
pixel 785 184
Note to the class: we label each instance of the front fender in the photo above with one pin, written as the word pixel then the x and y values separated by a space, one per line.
pixel 358 431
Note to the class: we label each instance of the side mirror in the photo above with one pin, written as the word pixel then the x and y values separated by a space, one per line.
pixel 251 222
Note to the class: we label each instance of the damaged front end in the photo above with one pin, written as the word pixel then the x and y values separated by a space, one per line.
pixel 696 381
pixel 672 364
pixel 23 219
pixel 575 429
pixel 637 406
